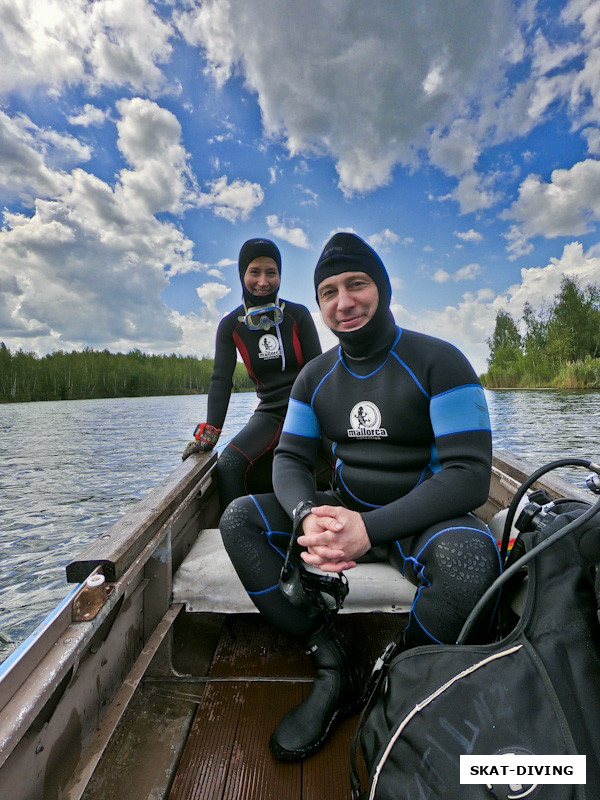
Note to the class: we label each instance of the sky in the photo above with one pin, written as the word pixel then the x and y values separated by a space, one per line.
pixel 141 143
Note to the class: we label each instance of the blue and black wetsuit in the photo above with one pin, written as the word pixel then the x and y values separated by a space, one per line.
pixel 412 443
pixel 273 359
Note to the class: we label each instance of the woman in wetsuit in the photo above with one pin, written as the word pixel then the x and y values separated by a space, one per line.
pixel 275 339
pixel 412 441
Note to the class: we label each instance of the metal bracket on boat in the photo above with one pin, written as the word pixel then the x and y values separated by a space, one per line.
pixel 91 597
pixel 205 483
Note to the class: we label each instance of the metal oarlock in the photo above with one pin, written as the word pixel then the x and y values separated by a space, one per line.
pixel 91 598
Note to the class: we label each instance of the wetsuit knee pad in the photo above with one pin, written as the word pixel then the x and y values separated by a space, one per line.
pixel 236 516
pixel 242 533
pixel 460 565
pixel 255 532
pixel 231 459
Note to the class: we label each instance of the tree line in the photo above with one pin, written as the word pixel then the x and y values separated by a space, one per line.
pixel 557 346
pixel 91 373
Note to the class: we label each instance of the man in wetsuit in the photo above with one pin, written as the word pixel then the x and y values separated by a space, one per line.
pixel 275 338
pixel 412 441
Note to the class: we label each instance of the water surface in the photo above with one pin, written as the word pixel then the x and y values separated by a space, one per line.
pixel 69 470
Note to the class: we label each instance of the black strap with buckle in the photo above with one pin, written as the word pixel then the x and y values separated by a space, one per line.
pixel 302 587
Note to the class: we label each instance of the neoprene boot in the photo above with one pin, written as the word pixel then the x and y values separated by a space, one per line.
pixel 335 693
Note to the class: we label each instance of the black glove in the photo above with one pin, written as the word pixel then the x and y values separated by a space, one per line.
pixel 205 438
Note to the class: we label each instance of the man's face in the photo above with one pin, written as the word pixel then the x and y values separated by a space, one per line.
pixel 347 301
pixel 261 276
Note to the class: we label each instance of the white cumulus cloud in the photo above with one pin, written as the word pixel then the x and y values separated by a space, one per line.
pixel 361 82
pixel 567 205
pixel 53 43
pixel 293 235
pixel 231 200
pixel 210 293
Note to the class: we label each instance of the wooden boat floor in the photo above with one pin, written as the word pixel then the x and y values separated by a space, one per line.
pixel 205 736
pixel 257 676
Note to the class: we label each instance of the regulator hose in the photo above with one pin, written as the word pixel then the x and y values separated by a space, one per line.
pixel 512 509
pixel 540 547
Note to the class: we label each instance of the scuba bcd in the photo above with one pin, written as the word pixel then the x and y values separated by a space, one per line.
pixel 529 687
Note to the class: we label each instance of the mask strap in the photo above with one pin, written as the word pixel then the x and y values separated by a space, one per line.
pixel 281 350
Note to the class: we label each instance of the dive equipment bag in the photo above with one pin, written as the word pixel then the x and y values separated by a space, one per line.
pixel 534 691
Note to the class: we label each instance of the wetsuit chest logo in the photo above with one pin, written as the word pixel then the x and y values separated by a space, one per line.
pixel 365 419
pixel 268 346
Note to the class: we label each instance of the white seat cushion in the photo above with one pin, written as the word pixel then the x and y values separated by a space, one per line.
pixel 207 581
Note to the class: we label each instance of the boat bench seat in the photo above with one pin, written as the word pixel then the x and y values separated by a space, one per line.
pixel 207 582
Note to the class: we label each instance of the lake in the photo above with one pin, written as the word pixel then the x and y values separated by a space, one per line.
pixel 69 469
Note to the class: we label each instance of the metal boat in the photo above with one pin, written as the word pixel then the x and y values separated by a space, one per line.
pixel 155 678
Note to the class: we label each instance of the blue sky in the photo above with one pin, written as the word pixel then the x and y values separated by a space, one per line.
pixel 141 143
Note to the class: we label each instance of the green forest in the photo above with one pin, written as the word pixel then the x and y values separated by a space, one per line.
pixel 91 374
pixel 558 346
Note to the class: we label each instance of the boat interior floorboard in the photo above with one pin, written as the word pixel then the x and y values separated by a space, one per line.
pixel 255 677
pixel 204 735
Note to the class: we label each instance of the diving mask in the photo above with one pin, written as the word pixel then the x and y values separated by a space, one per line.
pixel 303 587
pixel 265 317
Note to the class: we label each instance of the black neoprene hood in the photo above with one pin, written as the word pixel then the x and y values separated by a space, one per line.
pixel 257 248
pixel 347 252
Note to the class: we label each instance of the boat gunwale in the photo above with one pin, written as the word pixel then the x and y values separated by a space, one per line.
pixel 117 548
pixel 517 469
pixel 32 673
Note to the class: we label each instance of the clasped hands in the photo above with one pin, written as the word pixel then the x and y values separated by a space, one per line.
pixel 334 537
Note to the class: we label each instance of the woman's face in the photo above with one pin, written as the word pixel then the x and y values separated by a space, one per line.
pixel 261 276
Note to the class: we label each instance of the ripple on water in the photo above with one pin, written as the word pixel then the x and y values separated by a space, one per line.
pixel 61 491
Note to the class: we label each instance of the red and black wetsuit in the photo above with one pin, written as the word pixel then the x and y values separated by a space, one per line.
pixel 273 359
